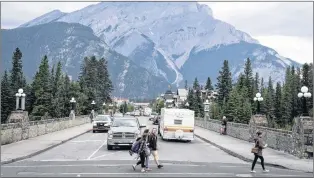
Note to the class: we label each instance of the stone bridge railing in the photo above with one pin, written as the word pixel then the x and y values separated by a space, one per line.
pixel 13 132
pixel 277 139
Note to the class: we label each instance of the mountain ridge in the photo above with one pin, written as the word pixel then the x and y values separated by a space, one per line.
pixel 173 41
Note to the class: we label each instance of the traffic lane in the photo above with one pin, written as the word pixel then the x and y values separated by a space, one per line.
pixel 109 168
pixel 195 151
pixel 80 148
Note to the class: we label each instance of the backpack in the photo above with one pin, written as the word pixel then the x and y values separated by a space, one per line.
pixel 135 147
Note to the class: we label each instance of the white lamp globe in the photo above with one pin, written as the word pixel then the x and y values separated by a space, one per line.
pixel 260 99
pixel 23 94
pixel 20 90
pixel 255 99
pixel 307 95
pixel 300 95
pixel 258 95
pixel 304 89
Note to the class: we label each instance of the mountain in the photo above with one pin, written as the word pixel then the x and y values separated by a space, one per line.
pixel 173 41
pixel 70 43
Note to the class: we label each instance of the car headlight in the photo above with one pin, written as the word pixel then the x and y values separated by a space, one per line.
pixel 110 134
pixel 94 124
pixel 137 133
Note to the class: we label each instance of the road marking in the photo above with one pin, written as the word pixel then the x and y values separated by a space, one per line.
pixel 236 166
pixel 95 165
pixel 131 173
pixel 244 175
pixel 96 150
pixel 105 155
pixel 82 141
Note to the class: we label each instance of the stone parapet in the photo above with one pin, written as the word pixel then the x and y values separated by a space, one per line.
pixel 288 141
pixel 13 132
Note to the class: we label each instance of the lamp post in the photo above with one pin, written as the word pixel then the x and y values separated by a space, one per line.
pixel 73 101
pixel 20 96
pixel 111 109
pixel 304 94
pixel 258 97
pixel 93 107
pixel 72 113
pixel 206 109
pixel 104 106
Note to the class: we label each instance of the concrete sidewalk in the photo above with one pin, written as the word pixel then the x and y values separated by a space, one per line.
pixel 242 149
pixel 33 146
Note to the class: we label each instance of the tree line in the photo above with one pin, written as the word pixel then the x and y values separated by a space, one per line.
pixel 235 99
pixel 50 91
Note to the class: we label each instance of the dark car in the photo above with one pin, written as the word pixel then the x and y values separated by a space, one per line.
pixel 152 118
pixel 156 120
pixel 102 123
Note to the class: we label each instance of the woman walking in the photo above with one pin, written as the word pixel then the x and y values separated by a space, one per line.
pixel 143 152
pixel 258 151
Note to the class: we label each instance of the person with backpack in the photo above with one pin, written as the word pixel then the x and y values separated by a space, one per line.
pixel 224 126
pixel 258 151
pixel 141 148
pixel 152 140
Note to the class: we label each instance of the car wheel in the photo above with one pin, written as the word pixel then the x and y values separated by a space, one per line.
pixel 94 131
pixel 109 147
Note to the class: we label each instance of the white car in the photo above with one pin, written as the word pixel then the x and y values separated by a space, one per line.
pixel 102 123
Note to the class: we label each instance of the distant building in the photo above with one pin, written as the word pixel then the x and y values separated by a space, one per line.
pixel 120 101
pixel 182 95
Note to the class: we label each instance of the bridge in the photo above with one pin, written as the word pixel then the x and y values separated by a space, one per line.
pixel 67 147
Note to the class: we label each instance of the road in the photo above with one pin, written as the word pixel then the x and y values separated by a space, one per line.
pixel 87 156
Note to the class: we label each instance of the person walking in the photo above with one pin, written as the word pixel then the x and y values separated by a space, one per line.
pixel 143 152
pixel 258 151
pixel 152 140
pixel 224 125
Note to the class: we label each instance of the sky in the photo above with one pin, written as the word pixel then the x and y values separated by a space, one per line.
pixel 287 27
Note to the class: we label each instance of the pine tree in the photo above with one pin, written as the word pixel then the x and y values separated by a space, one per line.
pixel 245 110
pixel 310 101
pixel 104 82
pixel 17 78
pixel 249 80
pixel 196 85
pixel 66 96
pixel 269 102
pixel 43 90
pixel 5 97
pixel 209 85
pixel 233 106
pixel 190 99
pixel 307 80
pixel 278 104
pixel 58 86
pixel 224 84
pixel 286 99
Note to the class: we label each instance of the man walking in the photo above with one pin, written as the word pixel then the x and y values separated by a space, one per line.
pixel 152 140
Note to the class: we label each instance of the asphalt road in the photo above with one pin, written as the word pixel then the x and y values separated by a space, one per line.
pixel 87 156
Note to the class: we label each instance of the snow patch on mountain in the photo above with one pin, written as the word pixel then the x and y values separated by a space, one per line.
pixel 46 18
pixel 121 77
pixel 171 64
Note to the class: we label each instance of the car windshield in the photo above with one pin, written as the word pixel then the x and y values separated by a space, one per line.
pixel 124 123
pixel 102 118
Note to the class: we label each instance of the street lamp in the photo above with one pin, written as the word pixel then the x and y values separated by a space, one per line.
pixel 206 108
pixel 258 97
pixel 20 95
pixel 73 101
pixel 305 94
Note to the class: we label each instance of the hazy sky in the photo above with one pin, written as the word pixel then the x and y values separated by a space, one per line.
pixel 286 27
